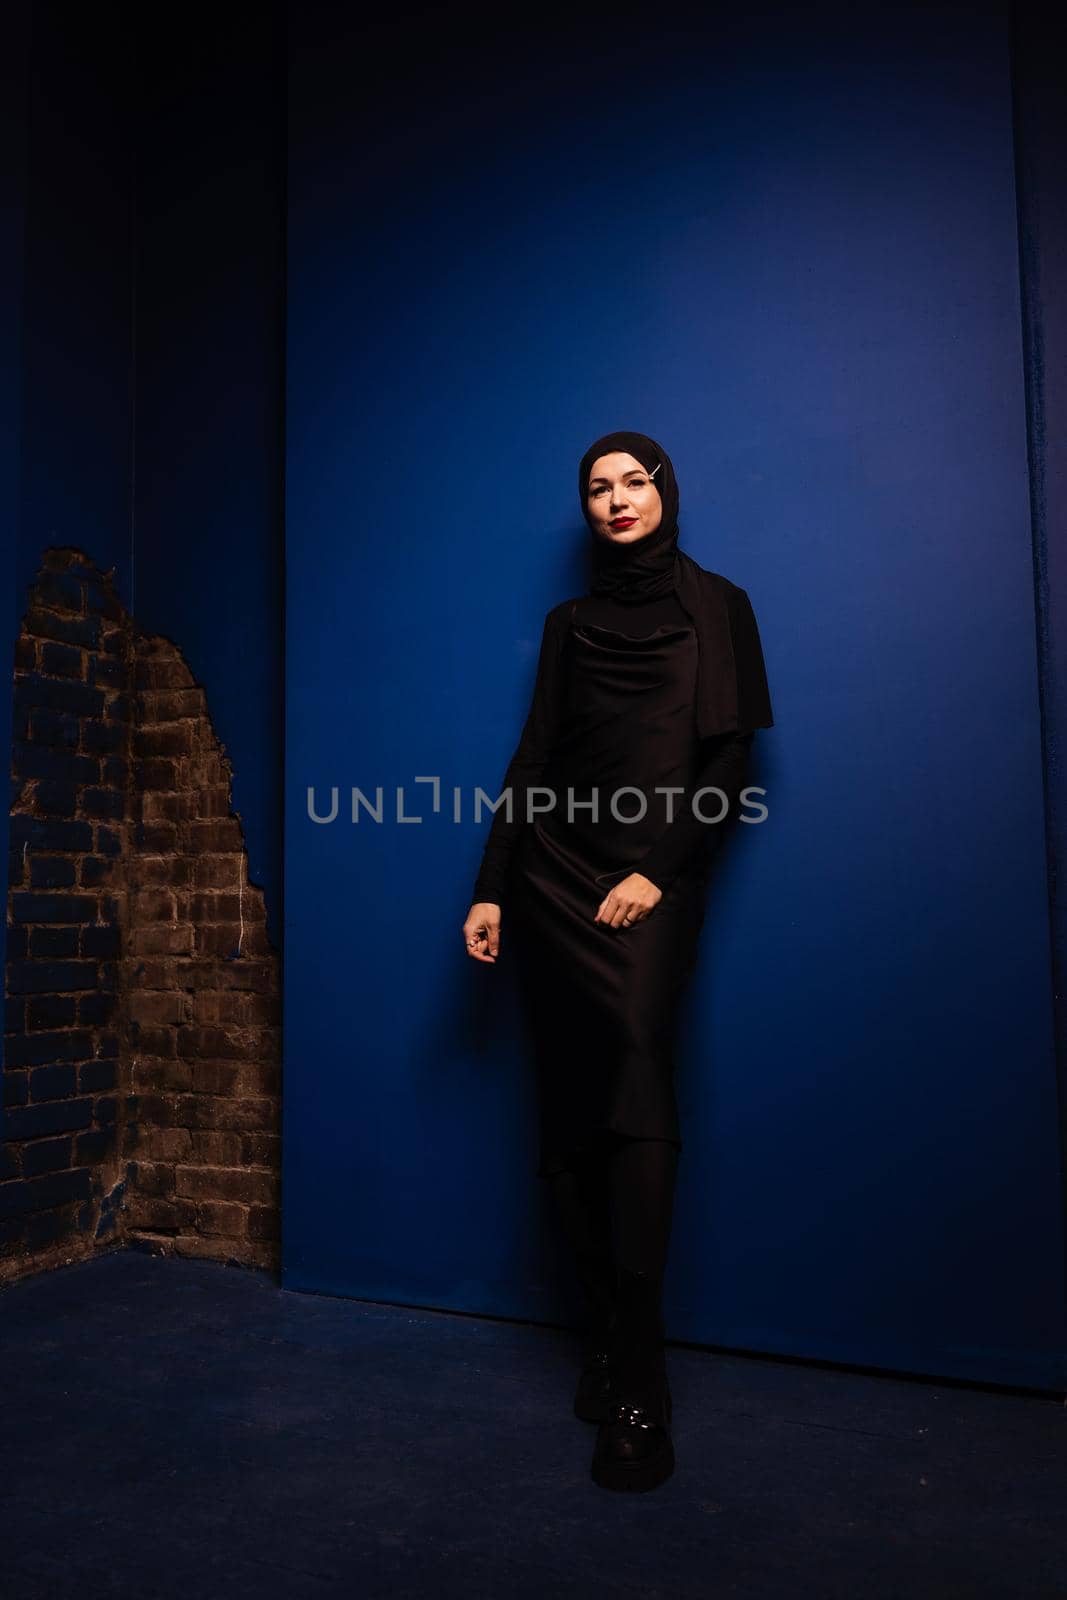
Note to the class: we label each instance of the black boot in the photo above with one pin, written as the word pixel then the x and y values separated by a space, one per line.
pixel 599 1282
pixel 634 1448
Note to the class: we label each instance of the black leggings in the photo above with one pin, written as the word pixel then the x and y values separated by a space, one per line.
pixel 616 1202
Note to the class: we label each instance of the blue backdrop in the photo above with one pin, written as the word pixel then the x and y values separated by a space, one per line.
pixel 783 243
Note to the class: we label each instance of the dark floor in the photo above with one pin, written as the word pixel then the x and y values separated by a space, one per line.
pixel 181 1428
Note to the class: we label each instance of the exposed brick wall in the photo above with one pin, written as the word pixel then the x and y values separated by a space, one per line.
pixel 142 1034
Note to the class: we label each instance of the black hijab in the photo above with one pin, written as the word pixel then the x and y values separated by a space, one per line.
pixel 732 693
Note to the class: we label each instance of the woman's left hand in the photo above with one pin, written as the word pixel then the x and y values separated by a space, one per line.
pixel 628 902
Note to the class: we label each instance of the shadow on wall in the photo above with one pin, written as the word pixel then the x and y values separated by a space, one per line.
pixel 142 1069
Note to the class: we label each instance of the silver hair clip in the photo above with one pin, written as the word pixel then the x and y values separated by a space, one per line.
pixel 655 469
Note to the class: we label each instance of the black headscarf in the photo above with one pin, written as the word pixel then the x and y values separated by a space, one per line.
pixel 636 569
pixel 732 693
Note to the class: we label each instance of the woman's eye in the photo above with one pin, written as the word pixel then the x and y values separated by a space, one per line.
pixel 634 483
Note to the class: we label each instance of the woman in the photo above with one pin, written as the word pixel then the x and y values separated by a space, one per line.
pixel 648 690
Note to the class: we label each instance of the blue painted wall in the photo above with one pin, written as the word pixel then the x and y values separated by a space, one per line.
pixel 785 244
pixel 77 345
pixel 65 301
pixel 13 143
pixel 210 359
pixel 142 306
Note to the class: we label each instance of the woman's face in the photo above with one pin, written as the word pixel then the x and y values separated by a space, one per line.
pixel 624 503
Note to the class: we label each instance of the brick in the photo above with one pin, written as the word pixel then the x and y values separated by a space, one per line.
pixel 162 1075
pixel 171 705
pixel 264 1222
pixel 212 1148
pixel 173 973
pixel 95 1076
pixel 162 673
pixel 153 905
pixel 97 1009
pixel 51 1116
pixel 221 1218
pixel 46 1155
pixel 51 1011
pixel 95 870
pixel 236 1009
pixel 37 760
pixel 54 1081
pixel 51 872
pixel 95 1145
pixel 101 942
pixel 169 1144
pixel 249 975
pixel 261 1150
pixel 59 589
pixel 163 871
pixel 164 807
pixel 105 738
pixel 211 1111
pixel 49 1228
pixel 14 1014
pixel 47 943
pixel 53 907
pixel 55 799
pixel 215 1077
pixel 58 728
pixel 162 1215
pixel 41 834
pixel 152 1178
pixel 162 836
pixel 84 631
pixel 14 1197
pixel 104 803
pixel 168 739
pixel 107 671
pixel 108 842
pixel 220 834
pixel 34 689
pixel 25 654
pixel 261 1077
pixel 62 661
pixel 213 802
pixel 60 1188
pixel 223 1043
pixel 170 1006
pixel 33 1049
pixel 152 1040
pixel 161 1111
pixel 161 939
pixel 218 906
pixel 249 1185
pixel 16 1088
pixel 231 942
pixel 36 977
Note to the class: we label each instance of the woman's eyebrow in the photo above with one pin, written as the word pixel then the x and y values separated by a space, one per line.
pixel 628 474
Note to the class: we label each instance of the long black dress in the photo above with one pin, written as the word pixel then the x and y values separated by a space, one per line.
pixel 613 715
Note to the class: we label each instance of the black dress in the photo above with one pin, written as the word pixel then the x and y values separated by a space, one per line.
pixel 613 717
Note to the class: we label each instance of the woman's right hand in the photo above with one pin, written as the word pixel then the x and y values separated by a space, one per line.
pixel 481 931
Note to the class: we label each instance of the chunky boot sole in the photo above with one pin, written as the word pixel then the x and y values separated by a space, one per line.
pixel 611 1471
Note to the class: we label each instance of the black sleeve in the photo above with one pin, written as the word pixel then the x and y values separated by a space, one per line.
pixel 724 762
pixel 753 695
pixel 524 769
